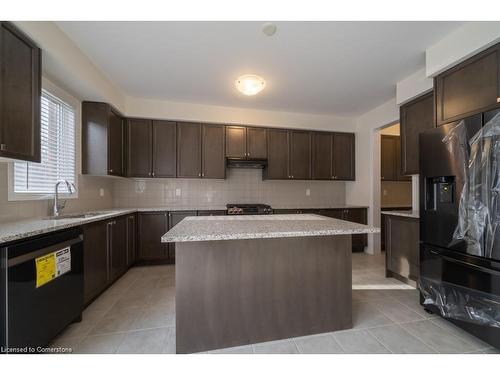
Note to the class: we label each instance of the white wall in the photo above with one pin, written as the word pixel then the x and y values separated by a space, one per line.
pixel 366 189
pixel 412 86
pixel 461 44
pixel 164 109
pixel 65 64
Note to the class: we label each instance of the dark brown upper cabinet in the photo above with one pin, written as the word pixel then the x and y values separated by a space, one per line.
pixel 343 164
pixel 102 140
pixel 322 156
pixel 164 148
pixel 213 151
pixel 277 155
pixel 139 139
pixel 236 142
pixel 415 117
pixel 299 155
pixel 257 143
pixel 246 143
pixel 390 170
pixel 201 150
pixel 151 148
pixel 470 87
pixel 20 93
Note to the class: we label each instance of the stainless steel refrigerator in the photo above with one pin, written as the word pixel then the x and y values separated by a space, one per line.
pixel 460 223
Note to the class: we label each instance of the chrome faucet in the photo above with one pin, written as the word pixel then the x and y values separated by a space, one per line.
pixel 59 206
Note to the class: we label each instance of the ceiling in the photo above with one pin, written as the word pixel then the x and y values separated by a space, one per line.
pixel 341 68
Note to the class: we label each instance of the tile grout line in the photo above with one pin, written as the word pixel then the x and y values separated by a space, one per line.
pixel 380 342
pixel 419 339
pixel 332 334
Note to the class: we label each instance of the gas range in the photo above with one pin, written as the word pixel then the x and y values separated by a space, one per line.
pixel 248 209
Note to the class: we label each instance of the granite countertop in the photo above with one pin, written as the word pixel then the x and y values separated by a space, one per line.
pixel 214 228
pixel 25 228
pixel 412 214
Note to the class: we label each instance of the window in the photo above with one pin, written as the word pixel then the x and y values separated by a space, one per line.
pixel 58 150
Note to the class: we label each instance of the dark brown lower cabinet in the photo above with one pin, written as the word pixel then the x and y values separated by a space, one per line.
pixel 152 226
pixel 174 218
pixel 382 222
pixel 118 247
pixel 105 245
pixel 402 248
pixel 95 259
pixel 356 215
pixel 212 213
pixel 131 239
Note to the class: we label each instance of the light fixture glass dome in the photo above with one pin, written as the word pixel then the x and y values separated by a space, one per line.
pixel 250 84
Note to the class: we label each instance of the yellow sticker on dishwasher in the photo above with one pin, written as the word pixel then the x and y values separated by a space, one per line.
pixel 45 269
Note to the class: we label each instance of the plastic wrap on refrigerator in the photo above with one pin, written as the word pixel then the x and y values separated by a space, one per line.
pixel 460 303
pixel 477 226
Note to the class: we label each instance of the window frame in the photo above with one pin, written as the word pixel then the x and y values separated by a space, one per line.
pixel 58 92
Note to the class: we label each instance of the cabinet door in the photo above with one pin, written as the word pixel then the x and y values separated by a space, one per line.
pixel 277 155
pixel 357 215
pixel 212 213
pixel 399 167
pixel 257 143
pixel 164 149
pixel 213 152
pixel 468 88
pixel 115 145
pixel 139 148
pixel 236 142
pixel 402 246
pixel 152 226
pixel 95 259
pixel 333 213
pixel 322 156
pixel 416 117
pixel 118 247
pixel 388 148
pixel 300 155
pixel 343 156
pixel 20 92
pixel 175 217
pixel 131 239
pixel 188 150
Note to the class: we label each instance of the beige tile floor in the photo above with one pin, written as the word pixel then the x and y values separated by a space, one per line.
pixel 137 315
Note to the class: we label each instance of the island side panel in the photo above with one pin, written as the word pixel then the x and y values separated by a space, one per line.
pixel 238 292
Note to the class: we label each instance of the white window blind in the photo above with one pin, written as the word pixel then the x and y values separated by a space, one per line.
pixel 58 160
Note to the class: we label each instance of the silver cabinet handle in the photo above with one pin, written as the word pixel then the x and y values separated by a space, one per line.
pixel 248 154
pixel 153 174
pixel 111 170
pixel 199 174
pixel 3 147
pixel 203 175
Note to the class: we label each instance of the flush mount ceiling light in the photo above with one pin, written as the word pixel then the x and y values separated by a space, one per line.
pixel 250 84
pixel 269 29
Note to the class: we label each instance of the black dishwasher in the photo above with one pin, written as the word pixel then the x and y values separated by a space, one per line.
pixel 41 289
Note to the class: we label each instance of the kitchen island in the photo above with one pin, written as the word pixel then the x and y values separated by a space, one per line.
pixel 249 279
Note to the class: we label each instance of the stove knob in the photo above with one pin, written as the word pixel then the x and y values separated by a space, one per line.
pixel 240 210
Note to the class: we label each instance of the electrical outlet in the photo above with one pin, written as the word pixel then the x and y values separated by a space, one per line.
pixel 178 192
pixel 101 192
pixel 385 192
pixel 308 192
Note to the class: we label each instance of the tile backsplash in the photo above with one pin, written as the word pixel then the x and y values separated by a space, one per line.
pixel 88 198
pixel 240 186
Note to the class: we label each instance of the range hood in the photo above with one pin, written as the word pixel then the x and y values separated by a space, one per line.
pixel 246 163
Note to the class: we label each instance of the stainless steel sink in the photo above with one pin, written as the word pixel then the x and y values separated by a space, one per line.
pixel 75 216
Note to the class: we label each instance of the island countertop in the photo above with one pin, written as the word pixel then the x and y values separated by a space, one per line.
pixel 217 228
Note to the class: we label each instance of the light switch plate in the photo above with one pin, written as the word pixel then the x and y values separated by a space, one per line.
pixel 178 192
pixel 101 192
pixel 308 192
